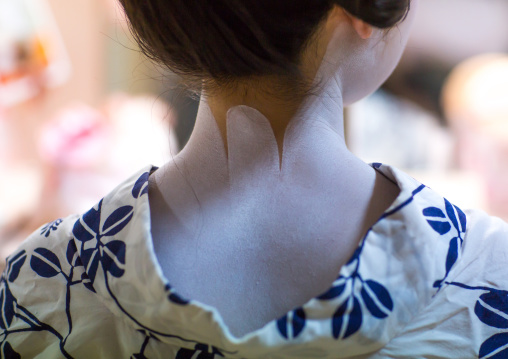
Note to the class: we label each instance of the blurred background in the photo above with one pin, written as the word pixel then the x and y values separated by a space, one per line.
pixel 81 109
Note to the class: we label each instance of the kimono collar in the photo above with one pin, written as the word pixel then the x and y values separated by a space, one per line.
pixel 397 268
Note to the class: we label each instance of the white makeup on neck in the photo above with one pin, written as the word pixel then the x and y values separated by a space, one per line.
pixel 254 237
pixel 255 234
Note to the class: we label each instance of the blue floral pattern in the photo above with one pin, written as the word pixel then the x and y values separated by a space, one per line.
pixel 371 297
pixel 52 226
pixel 11 309
pixel 90 256
pixel 96 248
pixel 141 354
pixel 175 297
pixel 443 222
pixel 491 308
pixel 201 351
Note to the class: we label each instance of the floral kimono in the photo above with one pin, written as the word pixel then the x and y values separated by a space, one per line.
pixel 427 281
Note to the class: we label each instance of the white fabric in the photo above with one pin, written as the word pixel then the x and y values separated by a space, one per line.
pixel 427 281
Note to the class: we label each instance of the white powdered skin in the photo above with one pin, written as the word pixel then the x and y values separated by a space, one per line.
pixel 253 233
pixel 250 235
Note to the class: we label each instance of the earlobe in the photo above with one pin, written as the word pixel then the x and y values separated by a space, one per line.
pixel 363 29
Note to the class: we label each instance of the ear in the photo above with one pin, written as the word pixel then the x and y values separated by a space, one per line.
pixel 338 15
pixel 363 29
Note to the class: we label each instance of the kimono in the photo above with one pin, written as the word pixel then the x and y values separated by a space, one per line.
pixel 428 280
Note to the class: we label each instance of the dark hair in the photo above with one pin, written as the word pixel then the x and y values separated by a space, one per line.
pixel 221 41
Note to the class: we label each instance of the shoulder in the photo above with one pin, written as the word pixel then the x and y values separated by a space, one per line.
pixel 47 289
pixel 35 286
pixel 486 246
pixel 483 227
pixel 60 243
pixel 41 252
pixel 467 314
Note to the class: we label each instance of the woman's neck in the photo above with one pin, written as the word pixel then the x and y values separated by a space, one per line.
pixel 278 112
pixel 324 106
pixel 254 210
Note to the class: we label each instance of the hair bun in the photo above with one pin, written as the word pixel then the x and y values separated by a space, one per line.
pixel 222 41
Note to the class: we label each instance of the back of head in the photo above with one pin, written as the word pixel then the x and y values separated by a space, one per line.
pixel 222 41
